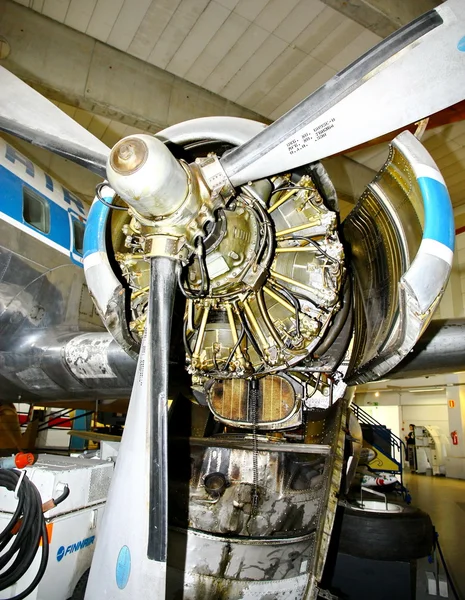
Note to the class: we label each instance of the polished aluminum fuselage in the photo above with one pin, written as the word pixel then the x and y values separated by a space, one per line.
pixel 52 342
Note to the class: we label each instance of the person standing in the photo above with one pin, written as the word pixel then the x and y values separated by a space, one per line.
pixel 411 454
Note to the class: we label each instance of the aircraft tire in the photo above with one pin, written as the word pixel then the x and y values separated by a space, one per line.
pixel 380 535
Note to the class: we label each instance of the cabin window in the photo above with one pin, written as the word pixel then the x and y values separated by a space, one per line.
pixel 78 235
pixel 36 210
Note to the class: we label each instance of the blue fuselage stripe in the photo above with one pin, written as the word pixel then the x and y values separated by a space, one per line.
pixel 439 218
pixel 11 204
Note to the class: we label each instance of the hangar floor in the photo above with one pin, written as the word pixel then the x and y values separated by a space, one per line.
pixel 444 500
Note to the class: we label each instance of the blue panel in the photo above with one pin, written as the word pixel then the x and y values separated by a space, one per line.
pixel 48 182
pixel 73 201
pixel 11 194
pixel 439 218
pixel 94 236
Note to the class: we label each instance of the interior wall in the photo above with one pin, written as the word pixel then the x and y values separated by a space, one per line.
pixel 425 415
pixel 386 415
pixel 420 409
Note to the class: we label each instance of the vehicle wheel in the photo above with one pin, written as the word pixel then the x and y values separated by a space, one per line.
pixel 400 533
pixel 80 589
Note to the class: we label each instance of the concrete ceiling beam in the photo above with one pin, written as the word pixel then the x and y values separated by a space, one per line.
pixel 382 17
pixel 71 67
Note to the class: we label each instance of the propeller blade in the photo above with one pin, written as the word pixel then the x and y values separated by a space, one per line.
pixel 163 283
pixel 28 115
pixel 417 71
pixel 130 557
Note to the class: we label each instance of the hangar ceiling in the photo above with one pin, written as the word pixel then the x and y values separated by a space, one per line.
pixel 265 55
pixel 262 55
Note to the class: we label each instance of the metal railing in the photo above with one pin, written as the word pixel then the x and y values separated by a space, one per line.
pixel 397 447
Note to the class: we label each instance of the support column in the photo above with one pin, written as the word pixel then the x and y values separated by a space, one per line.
pixel 455 461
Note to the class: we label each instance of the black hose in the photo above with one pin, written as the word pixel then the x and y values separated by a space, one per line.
pixel 62 497
pixel 313 243
pixel 98 190
pixel 236 346
pixel 205 282
pixel 279 289
pixel 446 570
pixel 187 347
pixel 250 335
pixel 27 530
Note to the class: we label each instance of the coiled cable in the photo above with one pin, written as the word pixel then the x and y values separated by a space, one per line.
pixel 26 530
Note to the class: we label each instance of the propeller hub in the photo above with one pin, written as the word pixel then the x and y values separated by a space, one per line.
pixel 128 156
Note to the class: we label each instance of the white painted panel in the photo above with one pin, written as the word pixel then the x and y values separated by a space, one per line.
pixel 389 416
pixel 336 41
pixel 181 23
pixel 127 23
pixel 452 180
pixel 103 18
pixel 55 9
pixel 271 77
pixel 373 156
pixel 298 19
pixel 131 131
pixel 114 132
pixel 231 4
pixel 198 38
pixel 426 415
pixel 83 117
pixel 454 169
pixel 323 25
pixel 250 9
pixel 67 109
pixel 460 246
pixel 274 13
pixel 457 129
pixel 304 70
pixel 361 44
pixel 79 14
pixel 221 43
pixel 271 48
pixel 444 150
pixel 239 54
pixel 456 135
pixel 323 75
pixel 36 4
pixel 453 162
pixel 450 131
pixel 155 20
pixel 435 141
pixel 98 126
pixel 23 2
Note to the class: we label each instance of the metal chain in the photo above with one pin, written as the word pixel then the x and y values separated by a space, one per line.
pixel 254 393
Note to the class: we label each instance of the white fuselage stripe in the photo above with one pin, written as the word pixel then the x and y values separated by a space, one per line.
pixel 35 234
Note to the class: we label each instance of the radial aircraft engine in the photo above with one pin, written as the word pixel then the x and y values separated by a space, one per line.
pixel 284 307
